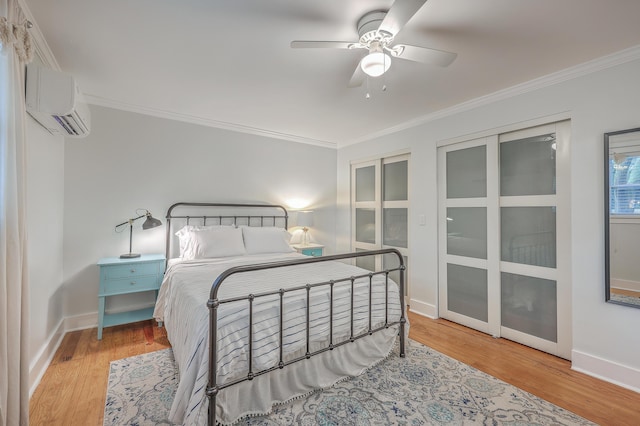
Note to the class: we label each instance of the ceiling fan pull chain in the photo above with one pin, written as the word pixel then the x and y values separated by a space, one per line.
pixel 367 96
pixel 384 76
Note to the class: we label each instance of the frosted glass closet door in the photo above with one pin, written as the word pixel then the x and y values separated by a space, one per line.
pixel 464 236
pixel 504 236
pixel 380 212
pixel 532 255
pixel 395 214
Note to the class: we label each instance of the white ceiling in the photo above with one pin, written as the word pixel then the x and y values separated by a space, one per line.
pixel 227 63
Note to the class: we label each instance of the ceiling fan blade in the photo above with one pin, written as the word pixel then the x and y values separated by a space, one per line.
pixel 358 77
pixel 302 44
pixel 423 54
pixel 399 14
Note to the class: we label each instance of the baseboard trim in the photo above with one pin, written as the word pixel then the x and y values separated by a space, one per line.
pixel 609 371
pixel 625 284
pixel 42 360
pixel 424 309
pixel 80 322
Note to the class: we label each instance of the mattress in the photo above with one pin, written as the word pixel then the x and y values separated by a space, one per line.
pixel 181 305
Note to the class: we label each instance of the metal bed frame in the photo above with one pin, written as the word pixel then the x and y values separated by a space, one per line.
pixel 213 387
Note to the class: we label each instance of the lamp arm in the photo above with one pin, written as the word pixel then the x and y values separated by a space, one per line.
pixel 130 221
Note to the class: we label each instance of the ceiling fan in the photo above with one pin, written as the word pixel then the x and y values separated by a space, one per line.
pixel 377 30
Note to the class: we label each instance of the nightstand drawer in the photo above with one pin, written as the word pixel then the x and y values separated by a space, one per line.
pixel 312 252
pixel 130 270
pixel 132 285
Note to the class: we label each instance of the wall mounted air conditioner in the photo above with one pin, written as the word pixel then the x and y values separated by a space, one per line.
pixel 55 101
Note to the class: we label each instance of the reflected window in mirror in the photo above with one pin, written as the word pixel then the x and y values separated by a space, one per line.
pixel 622 217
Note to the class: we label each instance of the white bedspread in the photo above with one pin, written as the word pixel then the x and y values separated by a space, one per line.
pixel 181 305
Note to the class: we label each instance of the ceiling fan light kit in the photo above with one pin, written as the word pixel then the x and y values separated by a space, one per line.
pixel 376 62
pixel 377 30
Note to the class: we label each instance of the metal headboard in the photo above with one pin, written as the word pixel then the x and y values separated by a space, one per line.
pixel 234 214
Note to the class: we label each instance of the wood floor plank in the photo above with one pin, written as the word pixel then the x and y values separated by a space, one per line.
pixel 68 346
pixel 73 389
pixel 148 334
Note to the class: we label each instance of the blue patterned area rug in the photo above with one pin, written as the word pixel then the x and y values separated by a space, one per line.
pixel 625 298
pixel 425 388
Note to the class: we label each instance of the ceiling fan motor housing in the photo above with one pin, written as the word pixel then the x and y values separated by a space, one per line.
pixel 368 29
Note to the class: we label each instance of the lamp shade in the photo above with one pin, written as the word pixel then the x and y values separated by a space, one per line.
pixel 305 218
pixel 151 222
pixel 375 64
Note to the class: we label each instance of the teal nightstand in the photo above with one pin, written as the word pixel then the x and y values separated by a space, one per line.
pixel 125 276
pixel 309 249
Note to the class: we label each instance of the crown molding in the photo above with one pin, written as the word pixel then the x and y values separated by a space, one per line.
pixel 187 118
pixel 608 61
pixel 42 48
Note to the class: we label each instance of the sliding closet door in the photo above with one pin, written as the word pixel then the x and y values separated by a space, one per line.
pixel 467 234
pixel 534 237
pixel 380 212
pixel 504 233
pixel 395 214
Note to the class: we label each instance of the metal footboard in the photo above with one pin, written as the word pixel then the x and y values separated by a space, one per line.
pixel 213 387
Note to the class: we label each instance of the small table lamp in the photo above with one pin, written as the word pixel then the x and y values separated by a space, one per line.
pixel 150 222
pixel 305 219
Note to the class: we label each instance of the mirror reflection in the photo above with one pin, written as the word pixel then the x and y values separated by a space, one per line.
pixel 622 217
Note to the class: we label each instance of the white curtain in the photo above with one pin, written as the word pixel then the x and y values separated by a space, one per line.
pixel 16 50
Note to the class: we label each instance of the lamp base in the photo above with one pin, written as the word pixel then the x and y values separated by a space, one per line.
pixel 129 255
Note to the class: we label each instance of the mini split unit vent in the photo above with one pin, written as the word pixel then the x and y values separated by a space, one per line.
pixel 55 101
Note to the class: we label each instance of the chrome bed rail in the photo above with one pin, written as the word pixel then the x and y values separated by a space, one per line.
pixel 214 303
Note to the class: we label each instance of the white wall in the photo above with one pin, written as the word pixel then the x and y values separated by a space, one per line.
pixel 45 208
pixel 605 338
pixel 624 236
pixel 132 161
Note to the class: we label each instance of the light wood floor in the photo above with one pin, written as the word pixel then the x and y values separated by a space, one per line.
pixel 72 391
pixel 625 292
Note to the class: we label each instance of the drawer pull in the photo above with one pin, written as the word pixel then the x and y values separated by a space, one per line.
pixel 133 283
pixel 133 271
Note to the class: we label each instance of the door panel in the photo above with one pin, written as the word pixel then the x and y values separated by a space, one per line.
pixel 366 226
pixel 528 166
pixel 366 183
pixel 467 292
pixel 467 173
pixel 396 181
pixel 529 305
pixel 467 231
pixel 528 235
pixel 395 227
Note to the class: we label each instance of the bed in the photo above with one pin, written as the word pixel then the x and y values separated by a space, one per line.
pixel 253 324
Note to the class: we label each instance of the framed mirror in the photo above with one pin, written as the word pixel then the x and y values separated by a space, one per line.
pixel 622 217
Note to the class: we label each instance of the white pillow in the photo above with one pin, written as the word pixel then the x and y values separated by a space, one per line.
pixel 266 240
pixel 184 236
pixel 220 242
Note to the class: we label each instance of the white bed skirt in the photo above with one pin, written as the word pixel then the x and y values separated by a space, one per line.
pixel 258 396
